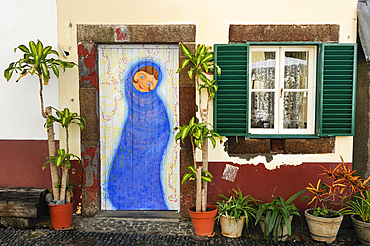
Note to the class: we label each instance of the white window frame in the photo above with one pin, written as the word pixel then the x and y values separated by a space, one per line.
pixel 279 84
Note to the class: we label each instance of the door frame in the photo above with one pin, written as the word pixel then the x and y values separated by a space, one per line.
pixel 88 37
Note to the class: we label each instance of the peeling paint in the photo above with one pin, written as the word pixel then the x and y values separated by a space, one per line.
pixel 87 64
pixel 121 33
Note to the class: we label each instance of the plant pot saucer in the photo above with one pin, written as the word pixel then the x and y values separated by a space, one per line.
pixel 70 228
pixel 197 238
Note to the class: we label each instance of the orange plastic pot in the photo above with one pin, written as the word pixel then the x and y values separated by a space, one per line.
pixel 203 222
pixel 61 215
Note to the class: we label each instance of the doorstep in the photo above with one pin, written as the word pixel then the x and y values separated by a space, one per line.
pixel 156 215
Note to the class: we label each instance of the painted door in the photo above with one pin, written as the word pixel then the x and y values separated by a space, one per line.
pixel 138 96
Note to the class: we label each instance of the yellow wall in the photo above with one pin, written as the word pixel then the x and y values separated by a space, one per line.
pixel 212 20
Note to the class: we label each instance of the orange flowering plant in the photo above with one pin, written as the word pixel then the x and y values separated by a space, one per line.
pixel 336 193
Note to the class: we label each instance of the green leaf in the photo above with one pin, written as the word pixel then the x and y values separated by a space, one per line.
pixel 190 73
pixel 39 48
pixel 23 48
pixel 207 58
pixel 206 179
pixel 45 52
pixel 33 48
pixel 55 70
pixel 186 51
pixel 186 177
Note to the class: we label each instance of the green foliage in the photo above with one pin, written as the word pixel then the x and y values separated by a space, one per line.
pixel 69 186
pixel 201 63
pixel 198 133
pixel 65 118
pixel 237 206
pixel 361 206
pixel 337 192
pixel 275 213
pixel 62 159
pixel 206 176
pixel 36 61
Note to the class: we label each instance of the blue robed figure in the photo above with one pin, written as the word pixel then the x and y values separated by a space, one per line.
pixel 135 181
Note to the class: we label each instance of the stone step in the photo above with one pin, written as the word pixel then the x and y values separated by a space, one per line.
pixel 22 202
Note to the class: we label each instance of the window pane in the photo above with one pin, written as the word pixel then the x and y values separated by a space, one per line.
pixel 262 109
pixel 295 110
pixel 263 70
pixel 296 70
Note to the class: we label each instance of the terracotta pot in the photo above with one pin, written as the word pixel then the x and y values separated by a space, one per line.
pixel 203 222
pixel 323 229
pixel 61 215
pixel 232 229
pixel 362 230
pixel 283 232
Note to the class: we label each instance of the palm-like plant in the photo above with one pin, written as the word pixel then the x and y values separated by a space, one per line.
pixel 62 160
pixel 199 134
pixel 201 64
pixel 36 61
pixel 65 118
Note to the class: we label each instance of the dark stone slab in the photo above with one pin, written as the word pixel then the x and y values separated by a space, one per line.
pixel 327 33
pixel 22 202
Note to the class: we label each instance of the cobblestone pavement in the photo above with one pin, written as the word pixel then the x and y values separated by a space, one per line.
pixel 120 231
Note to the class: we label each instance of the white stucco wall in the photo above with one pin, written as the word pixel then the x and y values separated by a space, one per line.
pixel 212 20
pixel 20 110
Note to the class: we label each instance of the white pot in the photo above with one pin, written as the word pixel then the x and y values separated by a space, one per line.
pixel 233 229
pixel 323 229
pixel 362 230
pixel 283 232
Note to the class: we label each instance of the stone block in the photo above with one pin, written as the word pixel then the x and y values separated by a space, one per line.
pixel 327 33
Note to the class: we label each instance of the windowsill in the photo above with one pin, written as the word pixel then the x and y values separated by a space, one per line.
pixel 281 136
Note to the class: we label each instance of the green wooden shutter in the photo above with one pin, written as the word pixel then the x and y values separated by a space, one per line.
pixel 231 101
pixel 337 90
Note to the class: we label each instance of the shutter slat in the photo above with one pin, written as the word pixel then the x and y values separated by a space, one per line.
pixel 337 101
pixel 231 101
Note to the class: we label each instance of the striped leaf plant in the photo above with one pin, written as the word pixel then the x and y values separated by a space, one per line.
pixel 38 60
pixel 201 66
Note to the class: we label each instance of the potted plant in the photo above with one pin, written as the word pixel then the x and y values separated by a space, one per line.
pixel 330 201
pixel 275 218
pixel 36 61
pixel 61 210
pixel 201 64
pixel 234 211
pixel 360 210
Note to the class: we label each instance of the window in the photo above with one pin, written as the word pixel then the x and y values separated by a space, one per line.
pixel 282 90
pixel 285 90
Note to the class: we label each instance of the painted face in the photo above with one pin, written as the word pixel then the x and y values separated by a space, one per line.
pixel 144 82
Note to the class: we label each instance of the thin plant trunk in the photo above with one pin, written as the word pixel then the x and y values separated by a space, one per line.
pixel 204 198
pixel 64 183
pixel 53 166
pixel 42 99
pixel 63 188
pixel 68 196
pixel 204 115
pixel 199 190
